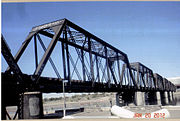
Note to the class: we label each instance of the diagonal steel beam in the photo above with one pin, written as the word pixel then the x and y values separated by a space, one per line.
pixel 22 48
pixel 112 72
pixel 78 52
pixel 48 52
pixel 74 66
pixel 130 71
pixel 10 59
pixel 50 60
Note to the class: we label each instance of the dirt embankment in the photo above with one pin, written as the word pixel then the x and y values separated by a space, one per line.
pixel 88 101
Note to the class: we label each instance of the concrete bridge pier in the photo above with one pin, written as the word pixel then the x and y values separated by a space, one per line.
pixel 169 97
pixel 125 98
pixel 140 98
pixel 31 105
pixel 158 98
pixel 150 98
pixel 164 98
pixel 173 100
pixel 172 95
pixel 119 100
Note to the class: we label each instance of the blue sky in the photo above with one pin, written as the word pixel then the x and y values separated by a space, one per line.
pixel 148 32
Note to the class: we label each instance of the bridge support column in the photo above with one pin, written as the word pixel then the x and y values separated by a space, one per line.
pixel 119 100
pixel 163 102
pixel 150 98
pixel 169 97
pixel 158 98
pixel 173 100
pixel 32 107
pixel 172 95
pixel 164 98
pixel 125 98
pixel 139 98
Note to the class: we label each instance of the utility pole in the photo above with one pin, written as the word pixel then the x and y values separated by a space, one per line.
pixel 64 107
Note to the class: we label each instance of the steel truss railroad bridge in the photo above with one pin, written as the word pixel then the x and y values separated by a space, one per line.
pixel 88 63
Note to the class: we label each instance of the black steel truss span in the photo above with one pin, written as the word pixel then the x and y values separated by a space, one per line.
pixel 85 57
pixel 88 63
pixel 143 76
pixel 147 80
pixel 163 84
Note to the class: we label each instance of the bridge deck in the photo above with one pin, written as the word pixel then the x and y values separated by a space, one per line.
pixel 50 85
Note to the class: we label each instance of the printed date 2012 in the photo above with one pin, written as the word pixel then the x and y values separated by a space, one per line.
pixel 149 115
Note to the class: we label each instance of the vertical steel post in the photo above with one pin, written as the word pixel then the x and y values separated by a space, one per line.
pixel 147 80
pixel 122 74
pixel 67 57
pixel 35 50
pixel 138 81
pixel 91 61
pixel 63 57
pixel 119 71
pixel 125 74
pixel 143 76
pixel 128 78
pixel 155 82
pixel 83 65
pixel 107 63
pixel 97 68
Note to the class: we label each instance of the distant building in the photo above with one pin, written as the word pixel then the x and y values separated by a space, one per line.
pixel 175 81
